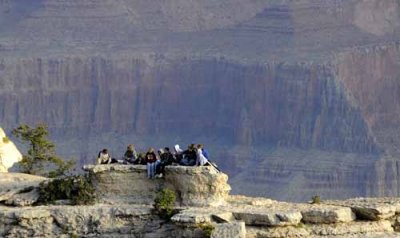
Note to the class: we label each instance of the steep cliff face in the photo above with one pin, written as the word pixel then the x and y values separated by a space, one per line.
pixel 310 85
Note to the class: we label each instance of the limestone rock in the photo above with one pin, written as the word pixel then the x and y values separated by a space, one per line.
pixel 352 228
pixel 229 230
pixel 201 215
pixel 327 214
pixel 264 217
pixel 371 208
pixel 25 197
pixel 194 186
pixel 9 154
pixel 277 232
pixel 198 186
pixel 19 189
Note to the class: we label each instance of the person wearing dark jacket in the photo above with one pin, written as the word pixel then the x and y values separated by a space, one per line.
pixel 151 159
pixel 166 158
pixel 189 156
pixel 130 155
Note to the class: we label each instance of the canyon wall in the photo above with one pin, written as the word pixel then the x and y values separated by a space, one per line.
pixel 297 93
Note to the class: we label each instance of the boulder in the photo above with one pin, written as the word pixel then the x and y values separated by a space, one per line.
pixel 202 215
pixel 229 230
pixel 25 197
pixel 193 186
pixel 267 217
pixel 18 189
pixel 372 209
pixel 327 214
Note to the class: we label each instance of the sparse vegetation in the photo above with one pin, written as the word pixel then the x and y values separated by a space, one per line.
pixel 300 225
pixel 207 228
pixel 316 199
pixel 41 154
pixel 6 140
pixel 78 189
pixel 164 203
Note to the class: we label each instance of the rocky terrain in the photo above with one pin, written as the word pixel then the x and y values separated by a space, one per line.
pixel 292 98
pixel 126 211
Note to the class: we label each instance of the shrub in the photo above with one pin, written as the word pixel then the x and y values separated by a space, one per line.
pixel 316 199
pixel 164 203
pixel 207 229
pixel 78 189
pixel 6 140
pixel 41 154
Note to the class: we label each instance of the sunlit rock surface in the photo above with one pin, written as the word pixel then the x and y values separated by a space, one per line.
pixel 9 154
pixel 236 216
pixel 195 186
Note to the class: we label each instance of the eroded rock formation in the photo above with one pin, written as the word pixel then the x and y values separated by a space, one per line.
pixel 307 90
pixel 234 216
pixel 195 186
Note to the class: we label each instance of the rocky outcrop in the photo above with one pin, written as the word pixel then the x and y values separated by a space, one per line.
pixel 194 186
pixel 234 217
pixel 19 189
pixel 9 154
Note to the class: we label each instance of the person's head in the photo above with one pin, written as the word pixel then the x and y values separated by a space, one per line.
pixel 166 149
pixel 131 147
pixel 199 146
pixel 104 151
pixel 191 147
pixel 160 151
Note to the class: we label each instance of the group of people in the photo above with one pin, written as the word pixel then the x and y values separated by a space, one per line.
pixel 194 155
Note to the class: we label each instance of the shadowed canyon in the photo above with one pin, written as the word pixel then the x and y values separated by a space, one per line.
pixel 292 98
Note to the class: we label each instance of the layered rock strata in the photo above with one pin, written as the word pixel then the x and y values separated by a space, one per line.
pixel 316 76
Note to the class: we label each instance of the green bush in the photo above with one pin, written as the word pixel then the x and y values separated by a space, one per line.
pixel 6 140
pixel 41 155
pixel 78 189
pixel 164 203
pixel 207 229
pixel 316 199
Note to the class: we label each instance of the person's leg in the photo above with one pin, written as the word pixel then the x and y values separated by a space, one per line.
pixel 153 171
pixel 148 166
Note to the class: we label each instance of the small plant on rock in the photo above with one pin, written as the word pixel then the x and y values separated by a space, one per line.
pixel 6 140
pixel 78 189
pixel 316 199
pixel 164 203
pixel 207 228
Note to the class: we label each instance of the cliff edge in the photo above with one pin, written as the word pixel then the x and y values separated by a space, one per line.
pixel 124 210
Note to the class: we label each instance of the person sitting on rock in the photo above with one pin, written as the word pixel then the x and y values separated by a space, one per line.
pixel 204 151
pixel 166 158
pixel 178 154
pixel 104 157
pixel 200 157
pixel 189 156
pixel 151 165
pixel 142 158
pixel 130 155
